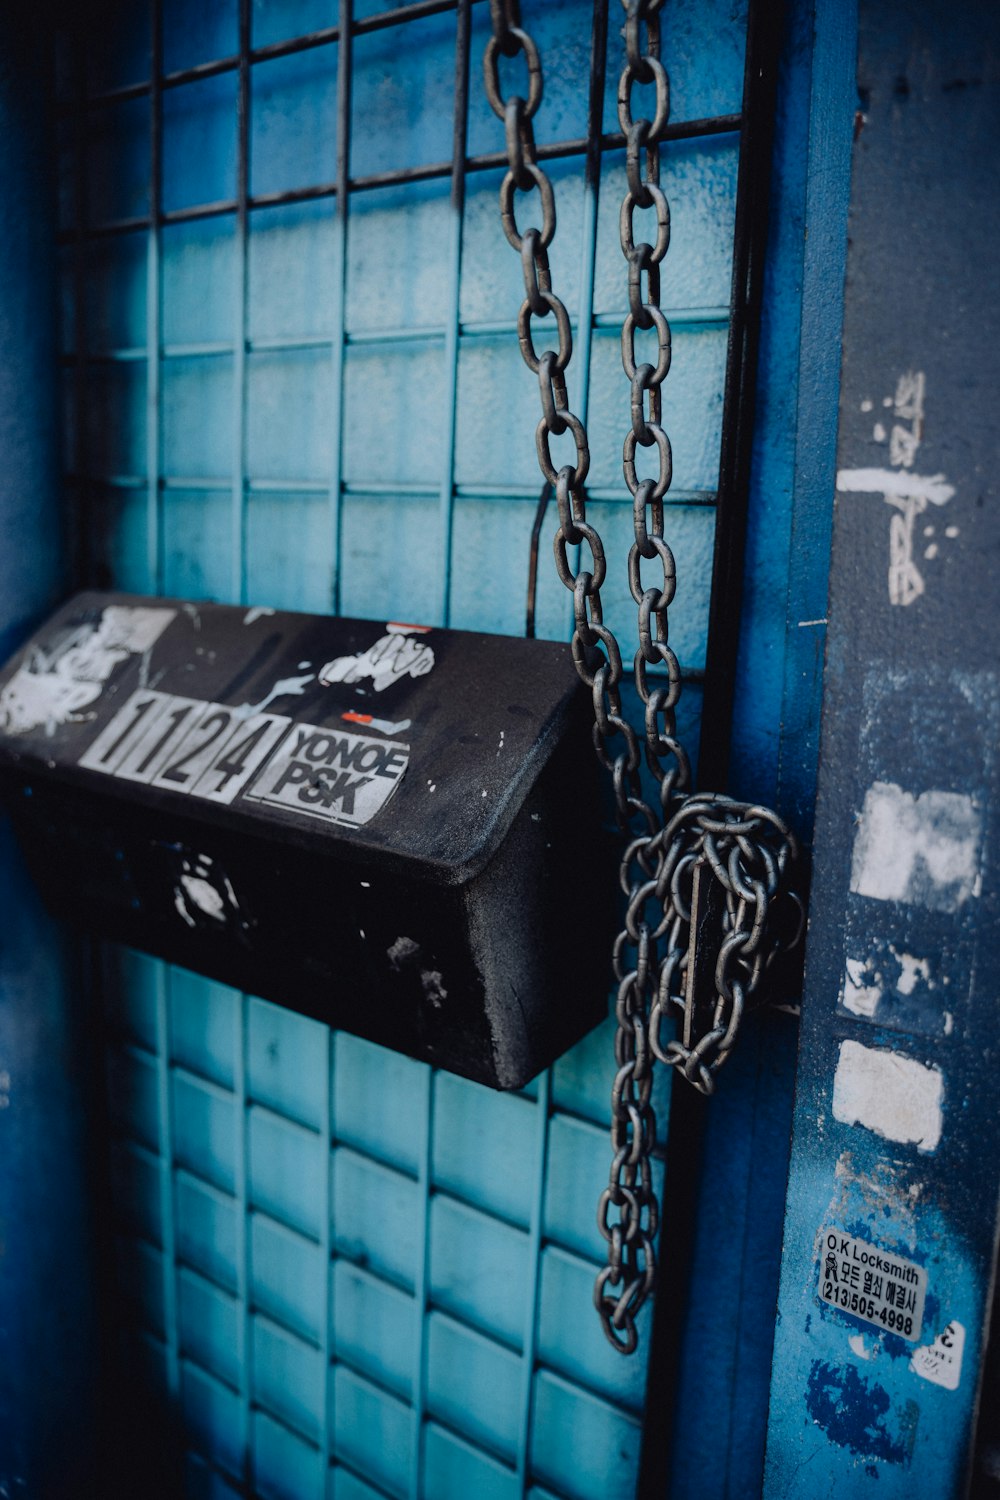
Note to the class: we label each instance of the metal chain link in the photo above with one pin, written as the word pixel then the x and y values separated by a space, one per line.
pixel 747 849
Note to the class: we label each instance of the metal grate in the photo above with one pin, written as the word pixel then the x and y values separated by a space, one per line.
pixel 342 1267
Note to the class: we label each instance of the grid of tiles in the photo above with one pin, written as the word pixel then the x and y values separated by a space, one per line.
pixel 291 378
pixel 326 1251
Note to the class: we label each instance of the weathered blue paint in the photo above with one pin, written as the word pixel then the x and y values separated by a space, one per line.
pixel 730 1327
pixel 902 954
pixel 48 1349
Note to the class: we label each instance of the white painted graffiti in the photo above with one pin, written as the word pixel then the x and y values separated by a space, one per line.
pixel 908 493
pixel 395 655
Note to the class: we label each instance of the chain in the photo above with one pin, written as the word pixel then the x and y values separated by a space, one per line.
pixel 669 846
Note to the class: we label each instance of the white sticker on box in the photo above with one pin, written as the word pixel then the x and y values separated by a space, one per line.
pixel 872 1284
pixel 135 716
pixel 330 774
pixel 246 748
pixel 148 750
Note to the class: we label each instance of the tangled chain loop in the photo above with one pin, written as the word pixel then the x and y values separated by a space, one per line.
pixel 747 849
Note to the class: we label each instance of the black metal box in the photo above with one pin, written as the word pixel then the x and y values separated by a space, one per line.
pixel 385 826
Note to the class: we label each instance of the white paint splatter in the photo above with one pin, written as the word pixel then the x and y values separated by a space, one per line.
pixel 859 996
pixel 285 687
pixel 57 682
pixel 941 1362
pixel 951 532
pixel 931 552
pixel 203 890
pixel 259 612
pixel 867 404
pixel 896 484
pixel 949 1023
pixel 923 850
pixel 859 1347
pixel 895 1096
pixel 911 969
pixel 879 433
pixel 401 951
pixel 393 656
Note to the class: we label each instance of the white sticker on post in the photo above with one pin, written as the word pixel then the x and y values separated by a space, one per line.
pixel 941 1362
pixel 872 1284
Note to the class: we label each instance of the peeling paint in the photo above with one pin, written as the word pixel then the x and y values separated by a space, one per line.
pixel 856 1413
pixel 923 850
pixel 893 1095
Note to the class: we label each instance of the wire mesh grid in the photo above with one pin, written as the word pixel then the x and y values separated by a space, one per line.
pixel 291 377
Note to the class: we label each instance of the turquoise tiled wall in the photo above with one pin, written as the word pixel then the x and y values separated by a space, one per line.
pixel 346 1269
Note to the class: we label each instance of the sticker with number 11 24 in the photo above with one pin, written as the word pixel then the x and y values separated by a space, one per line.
pixel 209 750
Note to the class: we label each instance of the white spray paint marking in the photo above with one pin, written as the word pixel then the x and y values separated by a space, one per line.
pixel 908 493
pixel 923 850
pixel 259 612
pixel 859 1347
pixel 941 1362
pixel 285 687
pixel 867 404
pixel 858 995
pixel 893 484
pixel 951 532
pixel 895 1096
pixel 54 685
pixel 949 1023
pixel 804 623
pixel 393 656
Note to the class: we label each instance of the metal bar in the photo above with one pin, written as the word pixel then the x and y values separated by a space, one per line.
pixel 242 1216
pixel 698 317
pixel 764 25
pixel 154 308
pixel 77 235
pixel 421 1287
pixel 167 1213
pixel 446 503
pixel 686 1120
pixel 488 162
pixel 339 310
pixel 529 1342
pixel 238 518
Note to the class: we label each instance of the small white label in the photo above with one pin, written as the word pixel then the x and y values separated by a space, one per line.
pixel 328 773
pixel 941 1362
pixel 872 1284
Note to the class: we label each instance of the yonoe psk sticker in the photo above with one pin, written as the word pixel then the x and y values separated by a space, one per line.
pixel 328 773
pixel 873 1284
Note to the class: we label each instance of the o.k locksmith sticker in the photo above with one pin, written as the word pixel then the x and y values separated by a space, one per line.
pixel 872 1284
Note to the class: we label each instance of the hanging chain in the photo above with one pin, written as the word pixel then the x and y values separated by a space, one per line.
pixel 678 848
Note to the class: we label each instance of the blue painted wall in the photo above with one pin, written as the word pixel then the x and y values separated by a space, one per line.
pixel 48 1343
